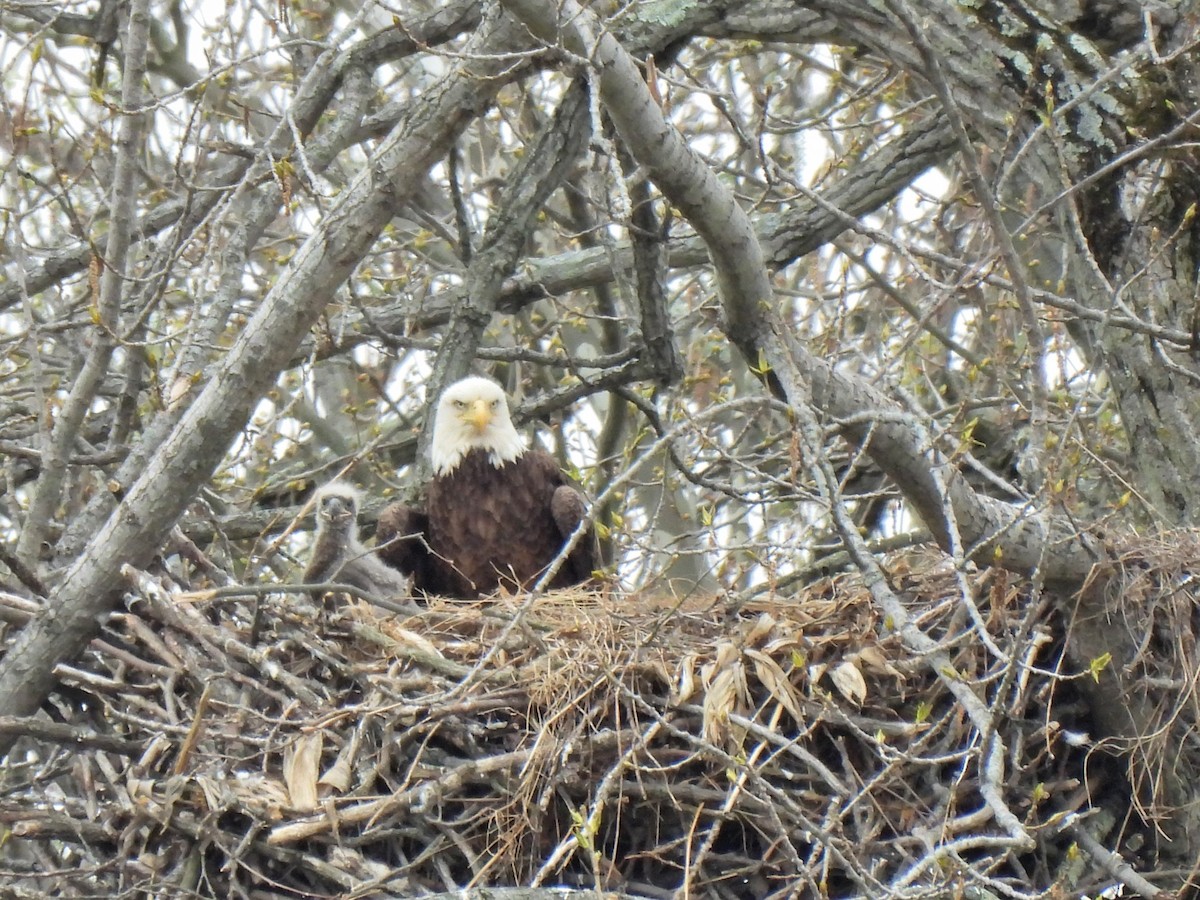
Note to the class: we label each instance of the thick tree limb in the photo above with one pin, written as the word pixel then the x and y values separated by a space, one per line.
pixel 674 166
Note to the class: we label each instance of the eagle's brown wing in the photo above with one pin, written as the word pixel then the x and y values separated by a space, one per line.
pixel 568 509
pixel 401 541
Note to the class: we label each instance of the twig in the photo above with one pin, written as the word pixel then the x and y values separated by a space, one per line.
pixel 1114 865
pixel 59 733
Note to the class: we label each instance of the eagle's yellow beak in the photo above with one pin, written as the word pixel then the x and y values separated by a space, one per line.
pixel 479 414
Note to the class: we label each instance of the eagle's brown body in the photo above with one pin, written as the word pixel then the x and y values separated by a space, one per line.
pixel 486 526
pixel 496 513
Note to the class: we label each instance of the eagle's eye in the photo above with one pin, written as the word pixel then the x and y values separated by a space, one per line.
pixel 460 404
pixel 495 403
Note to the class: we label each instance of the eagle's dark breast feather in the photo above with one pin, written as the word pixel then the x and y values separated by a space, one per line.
pixel 487 527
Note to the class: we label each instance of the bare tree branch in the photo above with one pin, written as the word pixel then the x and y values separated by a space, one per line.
pixel 1015 537
pixel 189 454
pixel 784 237
pixel 113 279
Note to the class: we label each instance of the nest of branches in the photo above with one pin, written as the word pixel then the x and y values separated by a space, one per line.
pixel 279 746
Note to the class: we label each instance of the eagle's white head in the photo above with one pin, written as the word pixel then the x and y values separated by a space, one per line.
pixel 473 415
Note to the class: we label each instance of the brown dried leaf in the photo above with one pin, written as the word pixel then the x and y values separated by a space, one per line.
pixel 727 653
pixel 759 629
pixel 848 679
pixel 781 645
pixel 405 636
pixel 726 694
pixel 775 680
pixel 875 661
pixel 686 683
pixel 338 776
pixel 301 764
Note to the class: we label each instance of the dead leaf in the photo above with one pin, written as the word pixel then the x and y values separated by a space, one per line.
pixel 780 645
pixel 726 694
pixel 301 764
pixel 759 629
pixel 775 680
pixel 338 776
pixel 875 661
pixel 686 684
pixel 403 635
pixel 727 653
pixel 848 679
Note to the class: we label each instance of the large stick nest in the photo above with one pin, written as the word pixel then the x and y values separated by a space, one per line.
pixel 271 747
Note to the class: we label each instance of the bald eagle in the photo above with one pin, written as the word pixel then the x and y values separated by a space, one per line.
pixel 496 513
